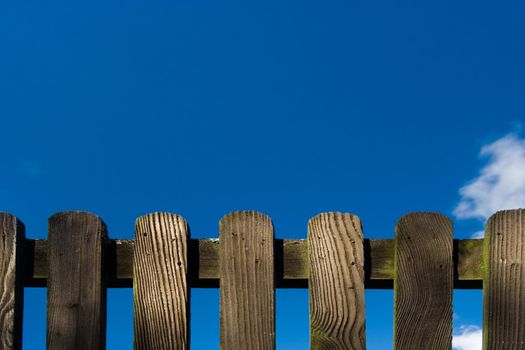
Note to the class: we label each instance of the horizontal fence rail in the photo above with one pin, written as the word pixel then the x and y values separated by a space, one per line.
pixel 291 263
pixel 422 264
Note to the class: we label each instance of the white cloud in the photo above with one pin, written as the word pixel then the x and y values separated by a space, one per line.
pixel 468 338
pixel 500 184
pixel 478 234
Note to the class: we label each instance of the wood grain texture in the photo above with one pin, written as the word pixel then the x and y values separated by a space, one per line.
pixel 208 262
pixel 11 289
pixel 76 295
pixel 423 282
pixel 504 285
pixel 247 285
pixel 294 260
pixel 469 257
pixel 160 286
pixel 381 258
pixel 337 289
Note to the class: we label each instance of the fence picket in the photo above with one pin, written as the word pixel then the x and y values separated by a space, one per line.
pixel 423 282
pixel 247 284
pixel 76 297
pixel 336 283
pixel 160 283
pixel 422 264
pixel 11 283
pixel 504 283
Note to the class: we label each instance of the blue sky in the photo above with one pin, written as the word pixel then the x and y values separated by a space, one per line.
pixel 290 108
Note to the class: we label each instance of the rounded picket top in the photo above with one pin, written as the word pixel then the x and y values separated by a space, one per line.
pixel 10 219
pixel 501 217
pixel 76 277
pixel 67 218
pixel 336 260
pixel 417 223
pixel 503 280
pixel 73 213
pixel 247 281
pixel 244 216
pixel 160 269
pixel 162 218
pixel 335 217
pixel 7 216
pixel 500 222
pixel 161 214
pixel 423 271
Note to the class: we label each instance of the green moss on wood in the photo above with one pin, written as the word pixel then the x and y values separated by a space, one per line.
pixel 470 259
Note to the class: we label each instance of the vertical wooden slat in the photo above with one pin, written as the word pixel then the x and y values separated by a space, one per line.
pixel 11 289
pixel 160 282
pixel 423 282
pixel 504 283
pixel 76 295
pixel 247 285
pixel 336 283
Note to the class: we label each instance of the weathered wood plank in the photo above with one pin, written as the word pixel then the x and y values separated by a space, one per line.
pixel 381 258
pixel 247 285
pixel 204 263
pixel 11 288
pixel 423 282
pixel 160 286
pixel 206 256
pixel 504 285
pixel 294 259
pixel 468 257
pixel 337 288
pixel 76 295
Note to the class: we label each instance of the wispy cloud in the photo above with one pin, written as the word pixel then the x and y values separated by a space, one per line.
pixel 499 185
pixel 478 234
pixel 501 182
pixel 468 338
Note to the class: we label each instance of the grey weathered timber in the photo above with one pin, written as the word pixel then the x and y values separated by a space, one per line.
pixel 337 288
pixel 247 284
pixel 468 264
pixel 504 284
pixel 76 295
pixel 423 282
pixel 11 289
pixel 293 264
pixel 160 287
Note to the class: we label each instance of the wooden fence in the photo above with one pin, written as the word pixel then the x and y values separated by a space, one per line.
pixel 423 264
